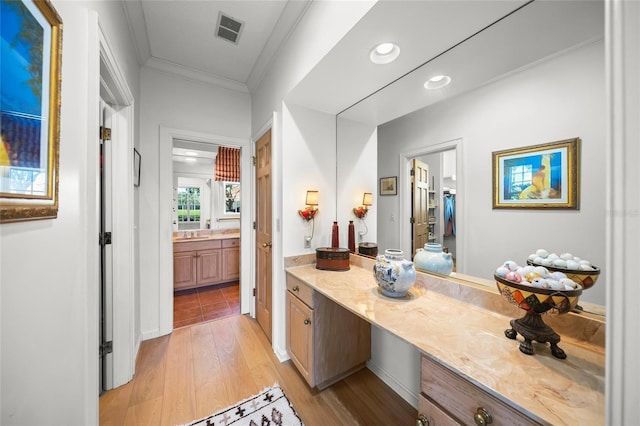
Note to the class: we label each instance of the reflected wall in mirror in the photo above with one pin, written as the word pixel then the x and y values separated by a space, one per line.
pixel 536 76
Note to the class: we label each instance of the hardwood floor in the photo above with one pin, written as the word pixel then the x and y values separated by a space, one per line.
pixel 200 369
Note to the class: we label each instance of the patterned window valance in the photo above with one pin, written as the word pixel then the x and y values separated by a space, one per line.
pixel 228 164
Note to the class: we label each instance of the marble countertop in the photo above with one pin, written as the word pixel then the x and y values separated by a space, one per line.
pixel 215 236
pixel 469 340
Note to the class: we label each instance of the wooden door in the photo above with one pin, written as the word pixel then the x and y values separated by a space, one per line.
pixel 263 233
pixel 420 204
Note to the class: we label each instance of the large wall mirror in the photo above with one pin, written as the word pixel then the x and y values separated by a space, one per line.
pixel 534 75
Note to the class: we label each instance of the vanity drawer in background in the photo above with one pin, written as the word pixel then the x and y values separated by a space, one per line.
pixel 196 245
pixel 461 399
pixel 232 242
pixel 300 290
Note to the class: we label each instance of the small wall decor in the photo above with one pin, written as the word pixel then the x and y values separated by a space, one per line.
pixel 389 185
pixel 31 36
pixel 137 160
pixel 545 176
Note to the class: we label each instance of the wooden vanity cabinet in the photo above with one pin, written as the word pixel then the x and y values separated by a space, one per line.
pixel 326 342
pixel 205 262
pixel 231 259
pixel 447 399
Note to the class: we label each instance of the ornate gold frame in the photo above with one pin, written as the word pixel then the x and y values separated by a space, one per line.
pixel 566 194
pixel 21 207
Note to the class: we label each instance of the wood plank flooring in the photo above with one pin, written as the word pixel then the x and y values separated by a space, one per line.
pixel 200 369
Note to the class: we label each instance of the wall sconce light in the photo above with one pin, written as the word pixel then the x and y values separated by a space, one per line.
pixel 361 212
pixel 309 214
pixel 367 200
pixel 310 211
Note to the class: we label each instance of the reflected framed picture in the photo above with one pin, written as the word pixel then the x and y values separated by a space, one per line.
pixel 31 33
pixel 545 176
pixel 389 185
pixel 137 160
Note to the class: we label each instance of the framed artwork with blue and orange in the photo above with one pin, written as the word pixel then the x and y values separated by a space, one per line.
pixel 545 176
pixel 30 78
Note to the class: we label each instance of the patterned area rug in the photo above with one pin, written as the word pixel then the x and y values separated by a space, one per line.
pixel 268 408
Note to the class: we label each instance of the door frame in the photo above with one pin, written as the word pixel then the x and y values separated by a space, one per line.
pixel 165 228
pixel 404 193
pixel 111 85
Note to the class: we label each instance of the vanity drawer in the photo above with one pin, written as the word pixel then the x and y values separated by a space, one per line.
pixel 434 415
pixel 300 290
pixel 461 399
pixel 233 242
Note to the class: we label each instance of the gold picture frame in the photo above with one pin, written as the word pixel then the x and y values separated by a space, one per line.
pixel 545 176
pixel 389 185
pixel 30 111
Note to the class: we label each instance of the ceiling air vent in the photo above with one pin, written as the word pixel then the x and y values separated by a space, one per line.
pixel 228 28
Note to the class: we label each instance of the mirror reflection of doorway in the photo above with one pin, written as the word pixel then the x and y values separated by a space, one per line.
pixel 433 207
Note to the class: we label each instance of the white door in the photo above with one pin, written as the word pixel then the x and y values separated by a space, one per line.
pixel 105 192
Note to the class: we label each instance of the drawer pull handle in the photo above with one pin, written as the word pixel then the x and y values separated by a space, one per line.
pixel 296 288
pixel 422 420
pixel 482 417
pixel 307 321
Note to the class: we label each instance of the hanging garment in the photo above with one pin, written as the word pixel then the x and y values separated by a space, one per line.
pixel 449 215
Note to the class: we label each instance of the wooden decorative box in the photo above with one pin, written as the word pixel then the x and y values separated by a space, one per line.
pixel 368 249
pixel 332 259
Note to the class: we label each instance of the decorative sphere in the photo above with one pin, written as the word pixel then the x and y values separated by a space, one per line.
pixel 566 256
pixel 502 271
pixel 572 264
pixel 531 276
pixel 513 276
pixel 542 253
pixel 542 271
pixel 560 263
pixel 510 265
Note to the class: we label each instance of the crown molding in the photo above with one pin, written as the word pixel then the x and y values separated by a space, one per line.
pixel 194 75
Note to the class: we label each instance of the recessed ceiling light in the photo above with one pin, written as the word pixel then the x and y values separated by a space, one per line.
pixel 191 153
pixel 437 82
pixel 384 53
pixel 190 160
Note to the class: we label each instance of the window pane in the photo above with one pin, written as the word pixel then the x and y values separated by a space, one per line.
pixel 231 197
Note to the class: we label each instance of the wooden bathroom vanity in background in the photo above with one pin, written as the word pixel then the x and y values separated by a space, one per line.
pixel 202 261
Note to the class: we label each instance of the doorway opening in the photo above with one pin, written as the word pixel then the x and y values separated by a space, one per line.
pixel 443 179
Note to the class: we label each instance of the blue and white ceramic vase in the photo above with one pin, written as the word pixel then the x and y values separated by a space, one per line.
pixel 394 275
pixel 433 259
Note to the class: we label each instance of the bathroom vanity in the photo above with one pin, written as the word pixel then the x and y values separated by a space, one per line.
pixel 470 372
pixel 204 260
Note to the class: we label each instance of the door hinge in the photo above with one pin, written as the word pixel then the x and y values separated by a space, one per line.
pixel 412 172
pixel 412 220
pixel 253 160
pixel 254 224
pixel 104 239
pixel 254 292
pixel 106 348
pixel 105 133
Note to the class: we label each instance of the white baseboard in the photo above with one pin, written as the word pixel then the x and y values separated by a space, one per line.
pixel 407 394
pixel 151 334
pixel 282 354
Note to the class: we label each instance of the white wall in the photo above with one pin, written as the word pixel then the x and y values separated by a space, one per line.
pixel 558 99
pixel 357 155
pixel 310 41
pixel 180 104
pixel 49 287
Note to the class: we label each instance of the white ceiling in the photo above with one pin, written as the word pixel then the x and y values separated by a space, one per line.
pixel 180 37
